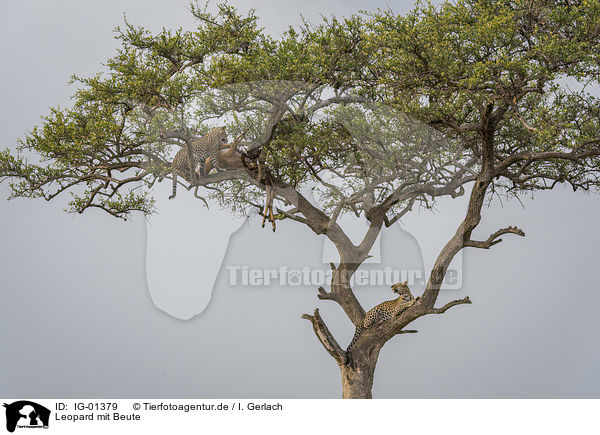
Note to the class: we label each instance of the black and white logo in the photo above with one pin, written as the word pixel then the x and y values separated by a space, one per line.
pixel 26 414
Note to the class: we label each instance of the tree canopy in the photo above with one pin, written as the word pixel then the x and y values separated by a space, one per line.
pixel 458 68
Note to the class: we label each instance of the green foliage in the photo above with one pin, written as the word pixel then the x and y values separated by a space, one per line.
pixel 444 65
pixel 436 80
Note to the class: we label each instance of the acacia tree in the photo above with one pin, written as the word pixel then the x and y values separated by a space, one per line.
pixel 372 115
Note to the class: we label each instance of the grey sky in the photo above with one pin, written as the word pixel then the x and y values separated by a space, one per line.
pixel 78 320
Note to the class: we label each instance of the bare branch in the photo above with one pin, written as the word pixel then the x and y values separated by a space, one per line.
pixel 291 215
pixel 392 221
pixel 325 337
pixel 576 157
pixel 449 305
pixel 493 239
pixel 269 131
pixel 217 177
pixel 325 295
pixel 472 216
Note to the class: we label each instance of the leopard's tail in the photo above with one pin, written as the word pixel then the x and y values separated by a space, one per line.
pixel 353 342
pixel 174 185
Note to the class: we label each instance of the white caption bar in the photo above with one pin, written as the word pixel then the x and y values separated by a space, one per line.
pixel 74 416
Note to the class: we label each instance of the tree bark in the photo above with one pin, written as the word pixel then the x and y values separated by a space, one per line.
pixel 357 378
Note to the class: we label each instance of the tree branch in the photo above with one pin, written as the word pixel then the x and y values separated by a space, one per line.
pixel 325 337
pixel 493 239
pixel 392 221
pixel 325 295
pixel 576 157
pixel 449 305
pixel 291 215
pixel 489 121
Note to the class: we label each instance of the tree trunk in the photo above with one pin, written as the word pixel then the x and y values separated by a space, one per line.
pixel 357 378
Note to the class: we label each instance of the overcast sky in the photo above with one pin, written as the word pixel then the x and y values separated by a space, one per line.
pixel 81 317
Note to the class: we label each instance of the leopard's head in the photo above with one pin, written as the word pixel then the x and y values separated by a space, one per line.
pixel 221 134
pixel 401 288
